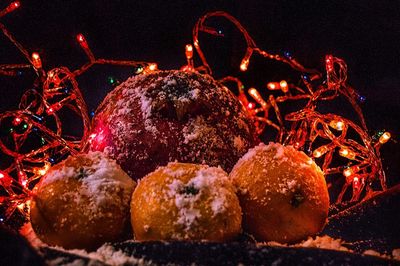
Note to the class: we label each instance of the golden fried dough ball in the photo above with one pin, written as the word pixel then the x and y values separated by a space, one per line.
pixel 283 193
pixel 83 202
pixel 185 201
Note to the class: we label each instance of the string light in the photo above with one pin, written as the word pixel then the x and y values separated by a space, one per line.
pixel 303 128
pixel 58 90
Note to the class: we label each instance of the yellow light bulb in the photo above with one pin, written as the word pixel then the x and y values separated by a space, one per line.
pixel 337 124
pixel 347 172
pixel 244 65
pixel 153 67
pixel 349 154
pixel 320 151
pixel 284 86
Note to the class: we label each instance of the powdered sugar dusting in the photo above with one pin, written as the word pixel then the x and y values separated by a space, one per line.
pixel 100 181
pixel 152 119
pixel 106 254
pixel 207 181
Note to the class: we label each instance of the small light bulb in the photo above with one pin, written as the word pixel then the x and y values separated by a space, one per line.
pixel 329 63
pixel 80 38
pixel 256 96
pixel 153 67
pixel 347 172
pixel 320 151
pixel 356 182
pixel 250 105
pixel 44 170
pixel 50 111
pixel 384 138
pixel 2 175
pixel 244 65
pixel 36 61
pixel 337 124
pixel 82 41
pixel 284 86
pixel 349 154
pixel 17 121
pixel 273 86
pixel 189 51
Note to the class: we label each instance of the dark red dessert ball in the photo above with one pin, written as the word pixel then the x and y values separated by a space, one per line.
pixel 152 119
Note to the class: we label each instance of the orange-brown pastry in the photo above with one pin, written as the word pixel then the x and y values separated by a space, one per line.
pixel 283 193
pixel 83 202
pixel 185 201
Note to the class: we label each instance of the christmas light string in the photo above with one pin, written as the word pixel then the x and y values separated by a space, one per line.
pixel 38 116
pixel 305 127
pixel 58 90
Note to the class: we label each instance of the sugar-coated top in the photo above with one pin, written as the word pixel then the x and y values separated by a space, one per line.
pixel 99 183
pixel 152 119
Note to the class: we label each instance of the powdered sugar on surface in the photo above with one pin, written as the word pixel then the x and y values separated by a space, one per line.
pixel 323 242
pixel 106 254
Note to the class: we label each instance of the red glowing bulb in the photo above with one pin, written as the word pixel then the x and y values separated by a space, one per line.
pixel 82 41
pixel 250 105
pixel 80 37
pixel 36 61
pixel 50 111
pixel 16 4
pixel 16 121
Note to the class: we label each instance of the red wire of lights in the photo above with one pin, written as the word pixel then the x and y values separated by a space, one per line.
pixel 39 116
pixel 60 90
pixel 305 127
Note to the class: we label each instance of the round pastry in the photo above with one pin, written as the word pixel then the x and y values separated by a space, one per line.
pixel 164 116
pixel 185 201
pixel 83 202
pixel 283 193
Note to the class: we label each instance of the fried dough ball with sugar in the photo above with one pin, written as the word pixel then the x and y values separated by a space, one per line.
pixel 283 193
pixel 185 201
pixel 83 202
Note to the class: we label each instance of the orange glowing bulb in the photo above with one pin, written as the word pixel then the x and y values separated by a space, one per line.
pixel 244 65
pixel 337 124
pixel 153 67
pixel 320 151
pixel 347 172
pixel 273 86
pixel 347 153
pixel 284 86
pixel 36 61
pixel 189 51
pixel 384 138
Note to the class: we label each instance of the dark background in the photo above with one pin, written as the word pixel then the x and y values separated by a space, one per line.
pixel 364 33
